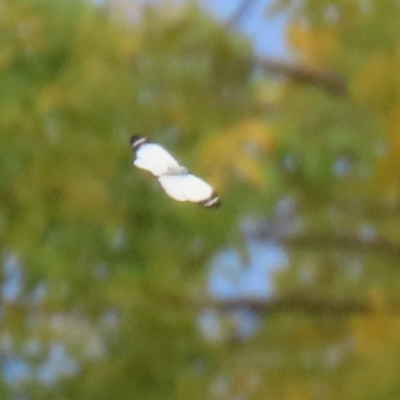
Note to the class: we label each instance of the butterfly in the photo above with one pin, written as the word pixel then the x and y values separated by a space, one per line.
pixel 174 178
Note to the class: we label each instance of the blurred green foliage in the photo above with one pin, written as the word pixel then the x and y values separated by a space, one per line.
pixel 121 263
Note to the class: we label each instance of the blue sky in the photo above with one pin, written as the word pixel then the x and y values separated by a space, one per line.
pixel 267 33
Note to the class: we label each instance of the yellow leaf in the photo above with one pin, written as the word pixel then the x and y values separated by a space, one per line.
pixel 387 176
pixel 240 151
pixel 375 84
pixel 317 46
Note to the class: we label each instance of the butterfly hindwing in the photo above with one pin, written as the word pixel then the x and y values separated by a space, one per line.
pixel 186 187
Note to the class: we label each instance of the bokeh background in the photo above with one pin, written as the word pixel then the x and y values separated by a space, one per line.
pixel 111 290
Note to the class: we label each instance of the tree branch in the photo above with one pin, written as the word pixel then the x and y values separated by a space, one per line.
pixel 240 13
pixel 293 304
pixel 307 304
pixel 336 242
pixel 324 79
pixel 345 243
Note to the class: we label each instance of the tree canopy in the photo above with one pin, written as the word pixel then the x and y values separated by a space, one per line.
pixel 105 279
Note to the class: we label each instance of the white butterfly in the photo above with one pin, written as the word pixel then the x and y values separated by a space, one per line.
pixel 175 179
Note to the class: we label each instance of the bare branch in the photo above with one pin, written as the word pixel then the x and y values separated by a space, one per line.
pixel 346 243
pixel 331 241
pixel 324 79
pixel 293 304
pixel 298 303
pixel 240 13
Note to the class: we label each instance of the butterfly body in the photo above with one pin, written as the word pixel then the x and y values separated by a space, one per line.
pixel 174 178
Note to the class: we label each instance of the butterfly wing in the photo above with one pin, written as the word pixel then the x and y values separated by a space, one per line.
pixel 188 187
pixel 174 178
pixel 155 159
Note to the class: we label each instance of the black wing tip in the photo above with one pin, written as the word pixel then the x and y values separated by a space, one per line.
pixel 213 202
pixel 137 140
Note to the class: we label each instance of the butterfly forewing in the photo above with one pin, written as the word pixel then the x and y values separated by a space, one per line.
pixel 153 158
